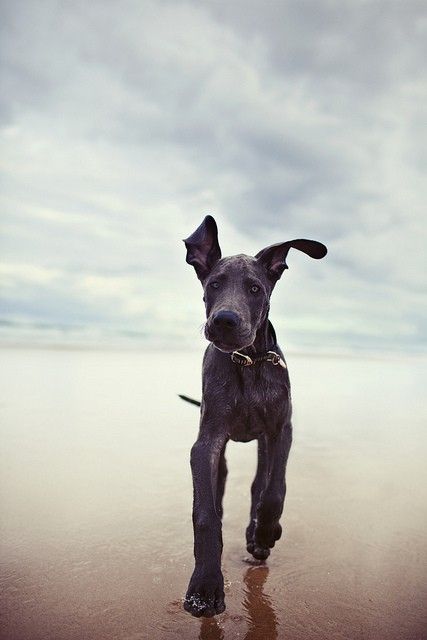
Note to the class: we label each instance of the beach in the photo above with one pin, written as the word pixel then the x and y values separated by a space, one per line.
pixel 96 496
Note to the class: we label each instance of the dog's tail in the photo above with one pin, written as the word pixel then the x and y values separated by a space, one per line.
pixel 190 400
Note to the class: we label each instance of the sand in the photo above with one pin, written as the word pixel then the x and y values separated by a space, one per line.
pixel 96 537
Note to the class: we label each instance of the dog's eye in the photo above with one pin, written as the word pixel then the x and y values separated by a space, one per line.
pixel 214 284
pixel 254 288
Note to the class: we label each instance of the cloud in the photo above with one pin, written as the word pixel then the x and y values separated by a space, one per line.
pixel 123 124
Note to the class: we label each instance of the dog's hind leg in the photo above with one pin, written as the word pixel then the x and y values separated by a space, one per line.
pixel 270 504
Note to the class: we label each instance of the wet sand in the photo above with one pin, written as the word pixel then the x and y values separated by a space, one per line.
pixel 96 538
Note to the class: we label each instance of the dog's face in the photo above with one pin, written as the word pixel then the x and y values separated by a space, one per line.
pixel 237 289
pixel 236 295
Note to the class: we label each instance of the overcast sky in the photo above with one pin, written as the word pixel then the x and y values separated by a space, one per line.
pixel 124 123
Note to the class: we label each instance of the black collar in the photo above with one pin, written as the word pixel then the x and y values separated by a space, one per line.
pixel 246 361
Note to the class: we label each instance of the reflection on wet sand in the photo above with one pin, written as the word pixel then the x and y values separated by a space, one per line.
pixel 210 630
pixel 261 618
pixel 262 621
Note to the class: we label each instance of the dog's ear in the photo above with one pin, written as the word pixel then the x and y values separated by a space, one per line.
pixel 274 256
pixel 203 250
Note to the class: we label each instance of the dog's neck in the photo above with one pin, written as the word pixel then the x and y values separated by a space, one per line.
pixel 265 340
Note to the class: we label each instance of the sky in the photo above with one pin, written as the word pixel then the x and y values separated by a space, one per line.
pixel 122 124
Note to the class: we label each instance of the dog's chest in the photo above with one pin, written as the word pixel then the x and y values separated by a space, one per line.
pixel 259 405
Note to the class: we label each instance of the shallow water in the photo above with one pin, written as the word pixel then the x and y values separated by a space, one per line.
pixel 96 501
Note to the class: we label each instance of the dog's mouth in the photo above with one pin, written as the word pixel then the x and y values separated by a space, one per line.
pixel 228 343
pixel 226 348
pixel 229 347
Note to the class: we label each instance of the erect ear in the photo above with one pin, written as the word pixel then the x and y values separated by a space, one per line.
pixel 274 256
pixel 203 250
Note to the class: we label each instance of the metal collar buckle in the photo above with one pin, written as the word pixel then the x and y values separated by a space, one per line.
pixel 241 358
pixel 273 357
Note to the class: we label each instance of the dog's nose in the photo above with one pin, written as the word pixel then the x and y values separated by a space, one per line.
pixel 226 320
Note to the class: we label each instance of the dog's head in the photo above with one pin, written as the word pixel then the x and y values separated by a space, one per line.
pixel 237 289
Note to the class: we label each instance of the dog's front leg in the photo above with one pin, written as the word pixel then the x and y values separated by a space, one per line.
pixel 270 506
pixel 258 486
pixel 267 505
pixel 221 480
pixel 205 595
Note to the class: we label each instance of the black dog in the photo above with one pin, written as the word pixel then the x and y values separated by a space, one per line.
pixel 246 396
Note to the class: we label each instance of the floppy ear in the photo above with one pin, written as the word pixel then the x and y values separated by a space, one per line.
pixel 203 250
pixel 274 256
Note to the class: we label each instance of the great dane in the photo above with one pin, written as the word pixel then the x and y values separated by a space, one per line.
pixel 246 396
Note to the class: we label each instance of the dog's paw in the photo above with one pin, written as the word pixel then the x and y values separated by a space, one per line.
pixel 205 595
pixel 259 553
pixel 264 539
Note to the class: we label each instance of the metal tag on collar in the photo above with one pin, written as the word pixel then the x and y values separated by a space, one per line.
pixel 241 358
